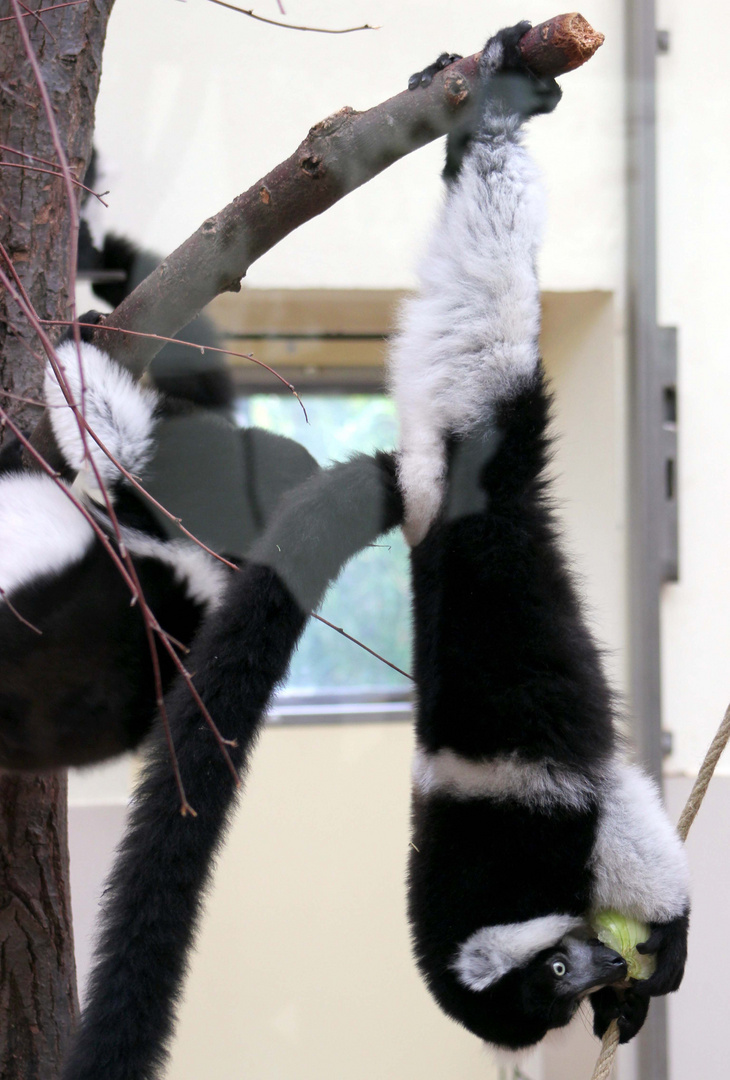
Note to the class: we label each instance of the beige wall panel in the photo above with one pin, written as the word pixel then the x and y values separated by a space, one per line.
pixel 582 349
pixel 694 279
pixel 698 1012
pixel 303 970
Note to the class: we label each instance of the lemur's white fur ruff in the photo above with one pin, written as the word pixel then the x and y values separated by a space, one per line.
pixel 34 509
pixel 203 576
pixel 41 531
pixel 494 950
pixel 506 776
pixel 639 863
pixel 117 408
pixel 469 337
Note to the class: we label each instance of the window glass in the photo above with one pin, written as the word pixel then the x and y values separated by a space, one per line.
pixel 370 601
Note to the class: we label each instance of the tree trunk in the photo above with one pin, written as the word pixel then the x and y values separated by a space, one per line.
pixel 37 972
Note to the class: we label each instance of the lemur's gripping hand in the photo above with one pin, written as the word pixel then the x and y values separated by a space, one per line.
pixel 85 332
pixel 425 77
pixel 511 88
pixel 626 1007
pixel 510 93
pixel 668 943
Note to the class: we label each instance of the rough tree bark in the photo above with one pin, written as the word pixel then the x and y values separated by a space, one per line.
pixel 37 971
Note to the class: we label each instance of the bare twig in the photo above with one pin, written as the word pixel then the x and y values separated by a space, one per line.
pixel 51 172
pixel 290 26
pixel 15 611
pixel 191 344
pixel 42 11
pixel 26 400
pixel 37 17
pixel 362 646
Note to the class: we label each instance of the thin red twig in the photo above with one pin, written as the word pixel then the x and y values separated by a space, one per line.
pixel 42 11
pixel 365 647
pixel 36 16
pixel 192 345
pixel 26 400
pixel 52 172
pixel 16 613
pixel 290 26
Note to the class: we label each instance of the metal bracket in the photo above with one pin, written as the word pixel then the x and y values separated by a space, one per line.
pixel 667 371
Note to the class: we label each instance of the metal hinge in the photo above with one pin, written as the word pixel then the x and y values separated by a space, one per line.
pixel 663 41
pixel 667 369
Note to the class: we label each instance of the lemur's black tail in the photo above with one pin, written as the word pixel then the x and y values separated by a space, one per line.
pixel 240 656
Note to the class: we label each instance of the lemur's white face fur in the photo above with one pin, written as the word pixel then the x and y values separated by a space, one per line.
pixel 559 944
pixel 578 967
pixel 514 972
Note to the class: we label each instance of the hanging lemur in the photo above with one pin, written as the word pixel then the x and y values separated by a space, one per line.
pixel 76 674
pixel 526 817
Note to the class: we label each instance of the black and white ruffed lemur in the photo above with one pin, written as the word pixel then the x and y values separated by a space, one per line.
pixel 527 818
pixel 76 673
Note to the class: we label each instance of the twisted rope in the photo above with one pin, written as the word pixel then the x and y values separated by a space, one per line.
pixel 701 784
pixel 607 1056
pixel 609 1046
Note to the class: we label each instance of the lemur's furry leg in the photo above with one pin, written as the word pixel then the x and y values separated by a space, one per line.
pixel 454 354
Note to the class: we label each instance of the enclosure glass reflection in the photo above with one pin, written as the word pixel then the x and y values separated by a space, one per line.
pixel 370 600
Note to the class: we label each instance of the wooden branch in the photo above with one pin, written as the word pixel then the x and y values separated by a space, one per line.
pixel 560 45
pixel 337 156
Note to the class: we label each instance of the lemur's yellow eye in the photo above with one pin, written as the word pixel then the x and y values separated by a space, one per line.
pixel 559 968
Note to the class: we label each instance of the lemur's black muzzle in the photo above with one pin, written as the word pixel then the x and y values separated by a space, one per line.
pixel 609 967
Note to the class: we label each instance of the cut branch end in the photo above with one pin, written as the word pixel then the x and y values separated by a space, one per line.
pixel 560 45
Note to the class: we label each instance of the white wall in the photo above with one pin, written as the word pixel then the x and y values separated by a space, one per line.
pixel 694 231
pixel 197 103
